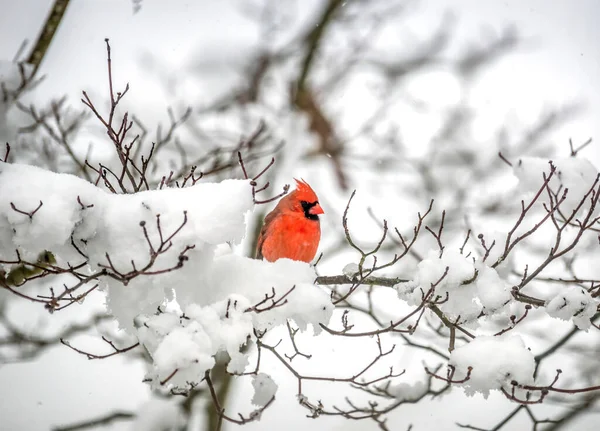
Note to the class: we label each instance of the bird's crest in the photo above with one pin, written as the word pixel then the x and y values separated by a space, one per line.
pixel 304 192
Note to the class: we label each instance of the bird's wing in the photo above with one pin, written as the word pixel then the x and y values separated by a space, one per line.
pixel 264 232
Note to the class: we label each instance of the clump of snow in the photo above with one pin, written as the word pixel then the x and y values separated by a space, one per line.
pixel 187 347
pixel 118 231
pixel 493 292
pixel 432 268
pixel 408 291
pixel 225 322
pixel 469 289
pixel 228 324
pixel 429 273
pixel 106 223
pixel 573 303
pixel 203 331
pixel 181 349
pixel 238 362
pixel 350 270
pixel 304 302
pixel 495 362
pixel 264 389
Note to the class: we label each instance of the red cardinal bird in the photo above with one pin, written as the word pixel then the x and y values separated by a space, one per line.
pixel 292 229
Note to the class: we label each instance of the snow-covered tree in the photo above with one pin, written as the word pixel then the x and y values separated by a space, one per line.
pixel 449 260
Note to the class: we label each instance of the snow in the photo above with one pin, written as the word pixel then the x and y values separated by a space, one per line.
pixel 429 272
pixel 215 214
pixel 204 298
pixel 350 270
pixel 211 302
pixel 493 291
pixel 469 288
pixel 573 303
pixel 264 389
pixel 187 341
pixel 107 226
pixel 495 362
pixel 232 274
pixel 186 348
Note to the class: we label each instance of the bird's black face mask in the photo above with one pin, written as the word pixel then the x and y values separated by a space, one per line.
pixel 306 207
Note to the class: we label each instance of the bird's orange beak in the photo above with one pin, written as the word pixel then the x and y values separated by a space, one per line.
pixel 316 209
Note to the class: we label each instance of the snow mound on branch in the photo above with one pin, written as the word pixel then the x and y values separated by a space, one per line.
pixel 573 303
pixel 264 389
pixel 468 289
pixel 27 188
pixel 74 218
pixel 351 270
pixel 495 363
pixel 232 274
pixel 101 223
pixel 492 291
pixel 267 294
